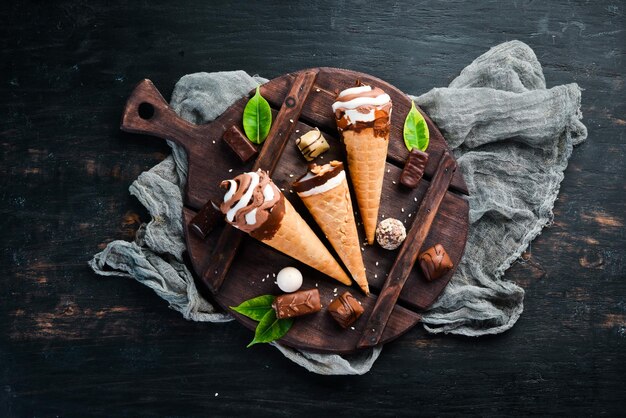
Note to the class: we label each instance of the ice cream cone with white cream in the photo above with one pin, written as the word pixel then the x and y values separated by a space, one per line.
pixel 324 191
pixel 253 204
pixel 363 117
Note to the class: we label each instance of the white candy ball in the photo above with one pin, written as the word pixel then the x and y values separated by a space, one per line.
pixel 289 279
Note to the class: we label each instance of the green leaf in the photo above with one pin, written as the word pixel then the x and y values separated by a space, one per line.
pixel 416 133
pixel 260 309
pixel 257 118
pixel 255 308
pixel 270 328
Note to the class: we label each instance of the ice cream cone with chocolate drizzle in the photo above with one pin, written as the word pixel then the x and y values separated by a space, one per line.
pixel 363 114
pixel 255 205
pixel 324 191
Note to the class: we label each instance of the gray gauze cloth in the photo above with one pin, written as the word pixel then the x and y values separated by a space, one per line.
pixel 511 136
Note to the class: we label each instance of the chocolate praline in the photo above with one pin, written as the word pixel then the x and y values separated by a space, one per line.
pixel 345 310
pixel 435 262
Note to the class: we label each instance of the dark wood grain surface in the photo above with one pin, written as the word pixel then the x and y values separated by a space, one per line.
pixel 380 316
pixel 74 344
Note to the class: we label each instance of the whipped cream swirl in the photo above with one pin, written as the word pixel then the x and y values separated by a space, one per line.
pixel 249 200
pixel 362 106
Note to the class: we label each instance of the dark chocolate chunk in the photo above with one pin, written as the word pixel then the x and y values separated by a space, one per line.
pixel 240 145
pixel 206 219
pixel 435 262
pixel 414 168
pixel 345 309
pixel 299 303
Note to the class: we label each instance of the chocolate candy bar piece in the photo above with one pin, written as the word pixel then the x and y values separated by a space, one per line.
pixel 435 262
pixel 240 145
pixel 414 168
pixel 206 219
pixel 299 303
pixel 345 310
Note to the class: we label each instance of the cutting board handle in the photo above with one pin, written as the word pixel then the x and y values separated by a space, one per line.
pixel 148 113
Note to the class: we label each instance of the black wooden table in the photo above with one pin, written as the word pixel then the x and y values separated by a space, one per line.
pixel 75 344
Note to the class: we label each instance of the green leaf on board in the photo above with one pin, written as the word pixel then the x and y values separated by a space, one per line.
pixel 271 328
pixel 257 118
pixel 416 133
pixel 255 308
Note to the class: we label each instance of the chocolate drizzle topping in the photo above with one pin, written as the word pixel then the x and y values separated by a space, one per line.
pixel 271 224
pixel 323 173
pixel 268 213
pixel 382 113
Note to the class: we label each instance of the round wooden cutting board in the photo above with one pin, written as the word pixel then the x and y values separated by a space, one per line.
pixel 236 267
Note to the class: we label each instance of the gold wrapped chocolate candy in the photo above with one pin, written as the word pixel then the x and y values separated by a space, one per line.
pixel 312 144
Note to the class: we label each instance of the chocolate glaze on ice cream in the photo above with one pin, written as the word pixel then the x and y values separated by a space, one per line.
pixel 363 107
pixel 320 178
pixel 253 204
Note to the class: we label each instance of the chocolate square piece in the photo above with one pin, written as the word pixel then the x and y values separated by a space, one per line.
pixel 206 219
pixel 299 303
pixel 240 145
pixel 414 168
pixel 435 262
pixel 345 310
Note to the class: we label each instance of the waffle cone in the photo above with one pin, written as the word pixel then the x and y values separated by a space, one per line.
pixel 296 239
pixel 333 212
pixel 367 154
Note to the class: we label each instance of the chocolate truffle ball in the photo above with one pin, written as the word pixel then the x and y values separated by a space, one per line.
pixel 390 233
